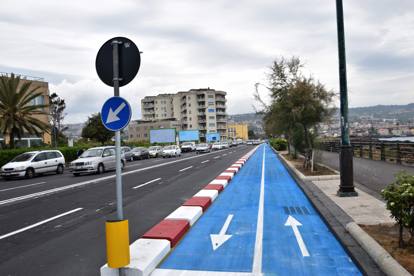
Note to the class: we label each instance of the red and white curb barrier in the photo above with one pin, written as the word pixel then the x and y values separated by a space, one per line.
pixel 148 251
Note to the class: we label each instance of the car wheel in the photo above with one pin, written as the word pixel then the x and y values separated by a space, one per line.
pixel 101 169
pixel 30 173
pixel 76 174
pixel 60 169
pixel 131 158
pixel 122 165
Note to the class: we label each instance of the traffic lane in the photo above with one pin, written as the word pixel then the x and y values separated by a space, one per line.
pixel 96 203
pixel 25 186
pixel 81 250
pixel 238 204
pixel 52 177
pixel 98 189
pixel 294 233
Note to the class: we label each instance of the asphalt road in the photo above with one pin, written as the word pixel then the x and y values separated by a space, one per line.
pixel 54 224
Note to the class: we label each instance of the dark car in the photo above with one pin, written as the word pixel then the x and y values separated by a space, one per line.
pixel 140 153
pixel 127 152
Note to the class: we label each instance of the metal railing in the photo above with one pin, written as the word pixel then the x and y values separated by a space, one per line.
pixel 389 151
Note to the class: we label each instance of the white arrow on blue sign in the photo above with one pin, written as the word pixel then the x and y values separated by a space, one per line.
pixel 116 113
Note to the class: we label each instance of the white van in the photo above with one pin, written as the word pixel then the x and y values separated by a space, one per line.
pixel 31 163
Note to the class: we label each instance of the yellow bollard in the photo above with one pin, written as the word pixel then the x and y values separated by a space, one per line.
pixel 117 243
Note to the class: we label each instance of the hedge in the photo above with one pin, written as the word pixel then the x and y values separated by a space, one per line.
pixel 278 144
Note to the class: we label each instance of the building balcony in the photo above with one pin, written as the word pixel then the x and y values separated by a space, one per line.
pixel 221 120
pixel 202 121
pixel 220 100
pixel 202 128
pixel 220 105
pixel 149 105
pixel 201 113
pixel 220 112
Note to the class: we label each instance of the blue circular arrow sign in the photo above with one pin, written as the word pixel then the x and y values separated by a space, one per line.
pixel 116 113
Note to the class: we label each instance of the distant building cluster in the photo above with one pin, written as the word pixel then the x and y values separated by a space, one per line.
pixel 367 126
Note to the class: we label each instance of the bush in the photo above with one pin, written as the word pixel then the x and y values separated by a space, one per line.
pixel 279 144
pixel 400 201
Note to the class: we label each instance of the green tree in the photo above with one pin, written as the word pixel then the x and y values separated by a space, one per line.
pixel 57 107
pixel 17 111
pixel 95 130
pixel 299 104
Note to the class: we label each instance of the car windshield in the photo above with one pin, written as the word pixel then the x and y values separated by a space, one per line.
pixel 187 144
pixel 153 148
pixel 169 147
pixel 23 157
pixel 91 153
pixel 202 145
pixel 138 149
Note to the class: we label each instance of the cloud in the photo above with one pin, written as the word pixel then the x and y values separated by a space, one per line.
pixel 219 44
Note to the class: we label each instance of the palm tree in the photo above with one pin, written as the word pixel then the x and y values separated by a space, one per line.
pixel 16 108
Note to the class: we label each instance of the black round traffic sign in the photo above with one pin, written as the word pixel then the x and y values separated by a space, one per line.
pixel 129 61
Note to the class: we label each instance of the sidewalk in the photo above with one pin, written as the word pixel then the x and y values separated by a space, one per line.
pixel 363 209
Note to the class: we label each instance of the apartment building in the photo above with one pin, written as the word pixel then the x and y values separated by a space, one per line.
pixel 43 99
pixel 203 109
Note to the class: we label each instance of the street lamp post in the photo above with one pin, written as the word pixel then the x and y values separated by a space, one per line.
pixel 346 187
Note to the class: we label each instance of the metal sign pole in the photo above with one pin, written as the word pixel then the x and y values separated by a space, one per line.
pixel 119 208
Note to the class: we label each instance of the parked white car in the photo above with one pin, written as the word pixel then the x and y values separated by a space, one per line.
pixel 202 147
pixel 96 160
pixel 31 163
pixel 171 151
pixel 155 151
pixel 188 146
pixel 225 145
pixel 217 146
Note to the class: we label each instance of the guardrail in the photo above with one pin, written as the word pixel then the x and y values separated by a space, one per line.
pixel 388 151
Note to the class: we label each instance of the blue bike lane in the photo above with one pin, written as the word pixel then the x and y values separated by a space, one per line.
pixel 262 223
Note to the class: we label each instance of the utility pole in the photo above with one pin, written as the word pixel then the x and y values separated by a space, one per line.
pixel 346 187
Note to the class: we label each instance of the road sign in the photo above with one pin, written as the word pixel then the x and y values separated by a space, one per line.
pixel 116 113
pixel 128 63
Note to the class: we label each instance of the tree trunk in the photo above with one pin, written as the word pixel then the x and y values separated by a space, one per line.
pixel 400 238
pixel 11 140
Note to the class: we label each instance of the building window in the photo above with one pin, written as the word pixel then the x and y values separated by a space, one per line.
pixel 212 125
pixel 210 96
pixel 191 126
pixel 190 118
pixel 211 117
pixel 189 105
pixel 39 100
pixel 210 103
pixel 211 110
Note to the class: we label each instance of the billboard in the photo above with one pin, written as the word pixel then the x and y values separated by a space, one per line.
pixel 188 135
pixel 213 137
pixel 165 135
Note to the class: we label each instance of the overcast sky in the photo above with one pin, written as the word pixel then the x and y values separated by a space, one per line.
pixel 225 45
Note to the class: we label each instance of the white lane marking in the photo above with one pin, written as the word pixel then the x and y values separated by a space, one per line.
pixel 217 157
pixel 292 222
pixel 146 183
pixel 185 169
pixel 93 181
pixel 224 154
pixel 217 240
pixel 205 161
pixel 258 248
pixel 24 186
pixel 39 223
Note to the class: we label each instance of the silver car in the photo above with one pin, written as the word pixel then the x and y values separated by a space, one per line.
pixel 96 160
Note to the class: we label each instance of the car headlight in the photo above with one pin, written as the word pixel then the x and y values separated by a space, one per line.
pixel 20 168
pixel 88 163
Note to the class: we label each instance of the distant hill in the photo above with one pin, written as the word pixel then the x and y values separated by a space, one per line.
pixel 403 113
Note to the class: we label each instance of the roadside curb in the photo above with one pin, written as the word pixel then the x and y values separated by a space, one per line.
pixel 148 251
pixel 384 260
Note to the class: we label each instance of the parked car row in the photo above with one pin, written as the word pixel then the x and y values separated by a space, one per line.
pixel 96 160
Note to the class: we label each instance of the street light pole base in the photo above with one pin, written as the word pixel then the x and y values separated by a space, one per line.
pixel 346 187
